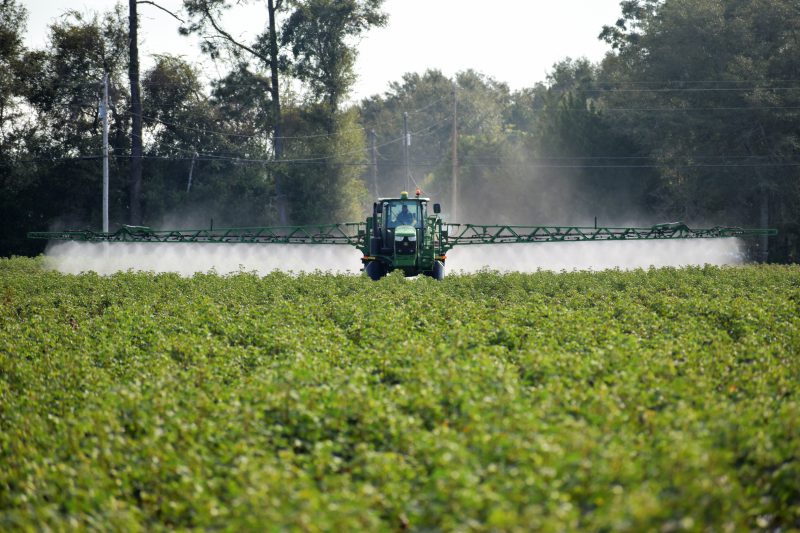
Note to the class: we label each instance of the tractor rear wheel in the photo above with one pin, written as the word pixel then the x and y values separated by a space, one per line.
pixel 375 270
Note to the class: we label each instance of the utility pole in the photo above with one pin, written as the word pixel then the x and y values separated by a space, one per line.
pixel 104 113
pixel 374 152
pixel 454 155
pixel 406 144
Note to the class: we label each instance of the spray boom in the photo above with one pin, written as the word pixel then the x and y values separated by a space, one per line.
pixel 403 235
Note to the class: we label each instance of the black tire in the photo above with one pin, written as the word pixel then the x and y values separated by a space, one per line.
pixel 375 270
pixel 438 270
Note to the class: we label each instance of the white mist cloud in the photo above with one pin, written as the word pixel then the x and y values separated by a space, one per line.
pixel 187 259
pixel 560 256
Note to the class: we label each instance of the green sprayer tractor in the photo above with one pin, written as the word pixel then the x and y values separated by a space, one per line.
pixel 402 233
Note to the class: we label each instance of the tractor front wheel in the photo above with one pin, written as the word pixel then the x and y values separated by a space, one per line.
pixel 438 270
pixel 375 270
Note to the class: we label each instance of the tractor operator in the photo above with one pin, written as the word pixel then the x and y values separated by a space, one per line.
pixel 404 217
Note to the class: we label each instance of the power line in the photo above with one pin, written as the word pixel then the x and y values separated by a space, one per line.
pixel 470 163
pixel 200 130
pixel 685 82
pixel 591 157
pixel 429 127
pixel 690 89
pixel 251 135
pixel 429 105
pixel 762 81
pixel 54 159
pixel 664 165
pixel 681 109
pixel 426 164
pixel 432 127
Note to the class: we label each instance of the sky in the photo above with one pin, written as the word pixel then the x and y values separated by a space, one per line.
pixel 512 41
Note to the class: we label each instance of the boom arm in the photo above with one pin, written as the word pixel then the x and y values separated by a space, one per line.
pixel 352 233
pixel 463 234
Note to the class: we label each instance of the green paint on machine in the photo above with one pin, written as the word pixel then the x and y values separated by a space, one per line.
pixel 402 234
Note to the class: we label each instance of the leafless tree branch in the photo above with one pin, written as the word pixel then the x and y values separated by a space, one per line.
pixel 162 9
pixel 230 38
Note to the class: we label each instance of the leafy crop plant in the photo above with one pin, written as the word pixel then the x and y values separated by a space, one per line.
pixel 646 400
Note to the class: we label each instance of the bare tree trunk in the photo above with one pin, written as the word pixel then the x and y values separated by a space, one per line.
pixel 280 196
pixel 136 123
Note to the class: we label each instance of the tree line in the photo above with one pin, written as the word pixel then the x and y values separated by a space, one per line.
pixel 691 116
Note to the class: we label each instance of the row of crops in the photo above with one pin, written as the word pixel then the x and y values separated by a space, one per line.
pixel 663 399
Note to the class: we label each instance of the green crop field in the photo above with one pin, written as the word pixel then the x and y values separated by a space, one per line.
pixel 647 400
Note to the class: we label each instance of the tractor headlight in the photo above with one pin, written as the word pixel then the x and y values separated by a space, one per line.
pixel 409 238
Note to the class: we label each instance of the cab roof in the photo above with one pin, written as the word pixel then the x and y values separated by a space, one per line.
pixel 405 196
pixel 395 198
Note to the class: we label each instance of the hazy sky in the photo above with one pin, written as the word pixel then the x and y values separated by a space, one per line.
pixel 515 41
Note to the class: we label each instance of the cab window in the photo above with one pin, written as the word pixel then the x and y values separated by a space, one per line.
pixel 410 216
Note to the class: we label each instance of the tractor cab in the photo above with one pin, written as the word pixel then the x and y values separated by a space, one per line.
pixel 399 223
pixel 397 236
pixel 404 222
